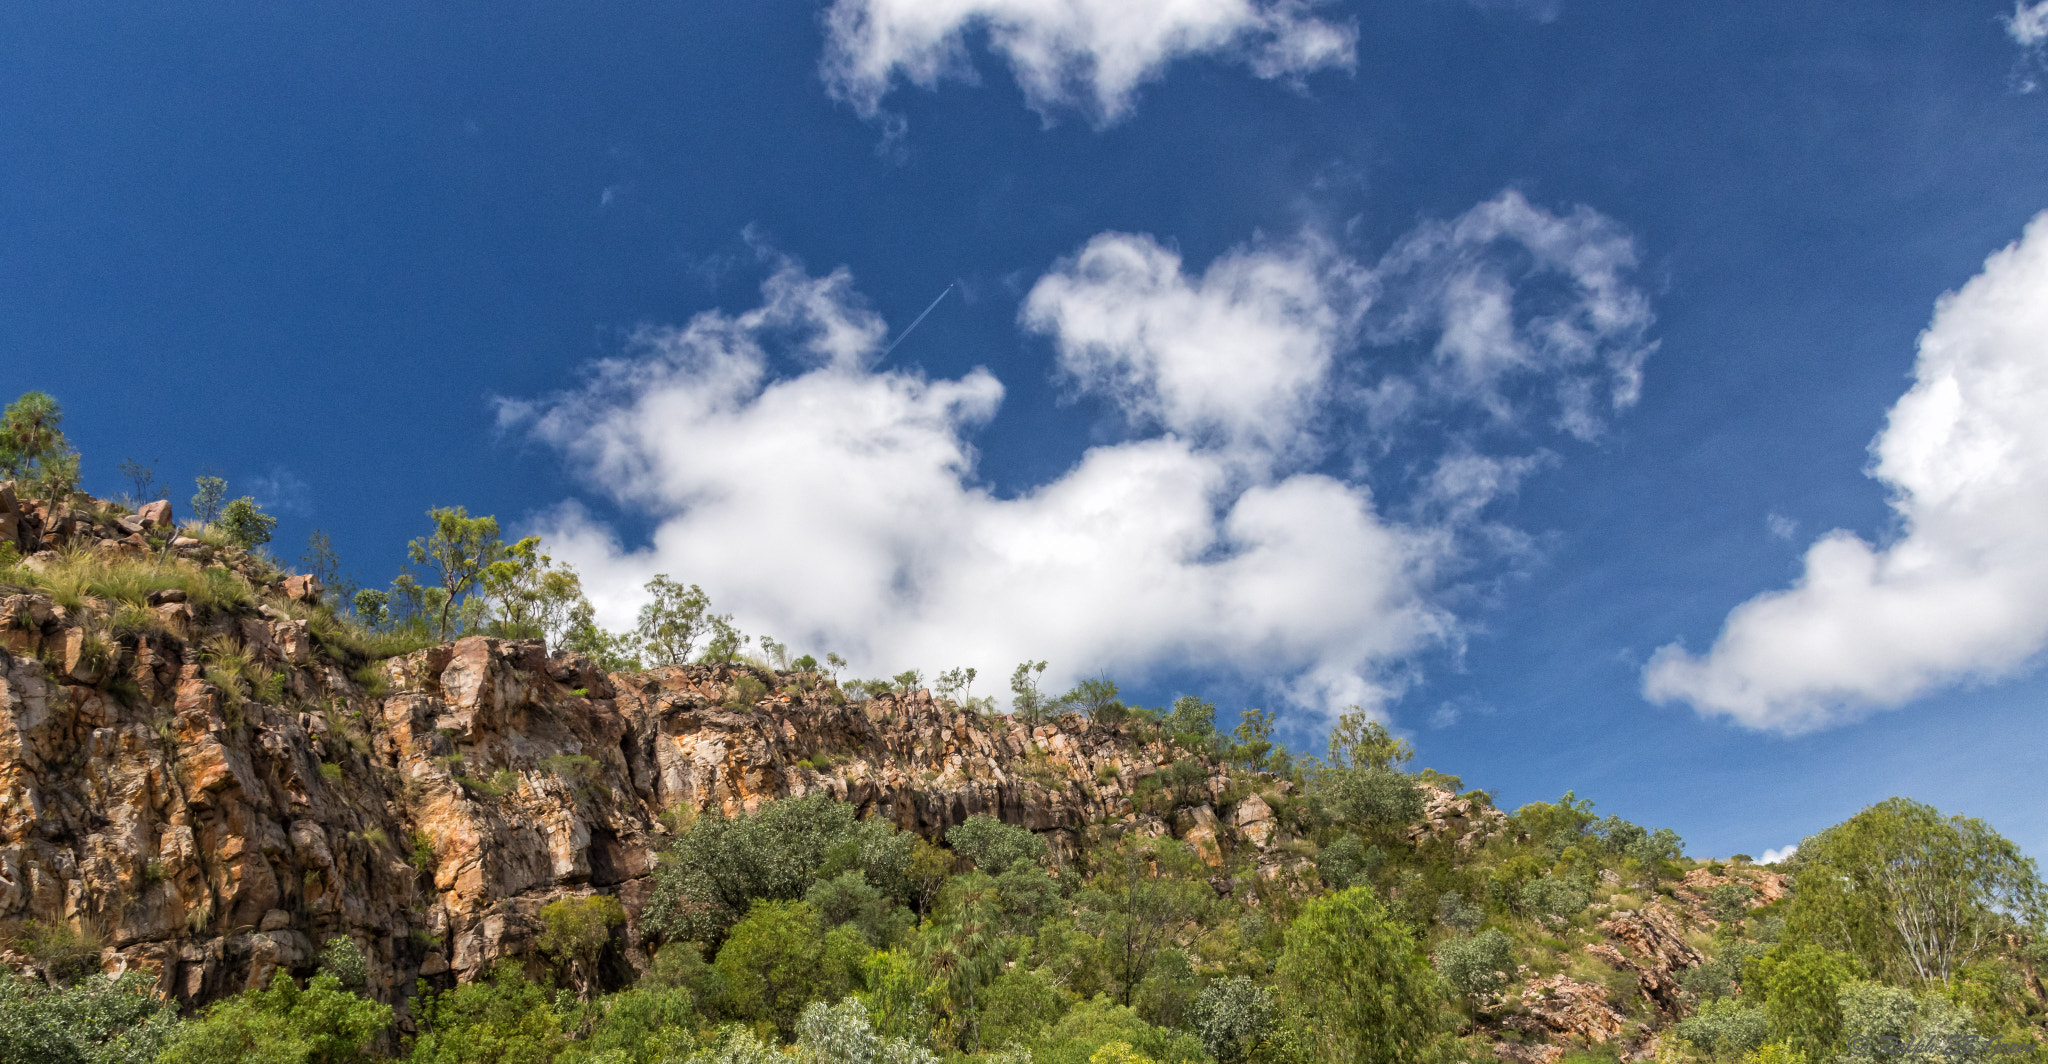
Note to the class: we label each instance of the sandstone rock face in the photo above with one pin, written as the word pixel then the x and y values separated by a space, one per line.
pixel 1562 1005
pixel 1463 821
pixel 216 836
pixel 1656 952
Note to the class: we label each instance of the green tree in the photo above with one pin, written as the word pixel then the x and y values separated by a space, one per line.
pixel 460 548
pixel 321 1023
pixel 613 651
pixel 1234 1017
pixel 1147 896
pixel 505 1019
pixel 1097 700
pixel 1372 797
pixel 1913 894
pixel 1026 703
pixel 644 1025
pixel 576 931
pixel 844 1034
pixel 1193 718
pixel 211 496
pixel 994 846
pixel 780 957
pixel 726 642
pixel 245 524
pixel 1357 983
pixel 1477 966
pixel 672 620
pixel 33 449
pixel 96 1021
pixel 373 606
pixel 1727 1028
pixel 1358 741
pixel 1801 989
pixel 711 874
pixel 324 563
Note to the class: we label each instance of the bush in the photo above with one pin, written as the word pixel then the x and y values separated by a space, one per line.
pixel 712 873
pixel 506 1019
pixel 1232 1017
pixel 344 960
pixel 843 1034
pixel 1348 862
pixel 1553 897
pixel 1362 990
pixel 781 957
pixel 245 524
pixel 994 846
pixel 1374 798
pixel 97 1021
pixel 1478 966
pixel 1726 1028
pixel 321 1022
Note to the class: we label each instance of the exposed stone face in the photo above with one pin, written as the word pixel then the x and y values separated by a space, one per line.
pixel 1465 822
pixel 217 838
pixel 1562 1005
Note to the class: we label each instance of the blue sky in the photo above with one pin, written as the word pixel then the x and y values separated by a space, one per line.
pixel 1296 364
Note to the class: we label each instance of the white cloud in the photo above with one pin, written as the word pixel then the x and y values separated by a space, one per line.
pixel 2028 27
pixel 2028 23
pixel 281 491
pixel 1962 593
pixel 1086 54
pixel 1515 296
pixel 1171 350
pixel 1780 526
pixel 1779 854
pixel 835 504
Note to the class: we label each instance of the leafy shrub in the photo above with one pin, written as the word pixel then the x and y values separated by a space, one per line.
pixel 1477 966
pixel 505 1019
pixel 344 960
pixel 1348 862
pixel 1726 1028
pixel 245 524
pixel 1549 896
pixel 994 846
pixel 1374 798
pixel 1232 1017
pixel 714 872
pixel 321 1022
pixel 96 1021
pixel 781 957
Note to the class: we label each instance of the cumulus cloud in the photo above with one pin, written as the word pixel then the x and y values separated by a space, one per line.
pixel 1779 854
pixel 834 502
pixel 1090 55
pixel 1962 592
pixel 1129 323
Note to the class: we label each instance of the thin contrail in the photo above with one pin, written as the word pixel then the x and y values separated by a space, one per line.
pixel 914 324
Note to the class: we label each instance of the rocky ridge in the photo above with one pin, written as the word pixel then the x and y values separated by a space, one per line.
pixel 212 829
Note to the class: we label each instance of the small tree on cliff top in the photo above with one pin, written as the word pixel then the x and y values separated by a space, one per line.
pixel 460 549
pixel 33 449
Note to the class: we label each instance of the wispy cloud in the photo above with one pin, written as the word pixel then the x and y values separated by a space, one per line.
pixel 1084 55
pixel 1962 593
pixel 834 502
pixel 281 491
pixel 2028 27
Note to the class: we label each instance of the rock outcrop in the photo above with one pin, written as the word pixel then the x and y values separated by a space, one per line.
pixel 214 793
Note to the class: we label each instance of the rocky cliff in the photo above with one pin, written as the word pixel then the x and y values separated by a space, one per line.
pixel 210 790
